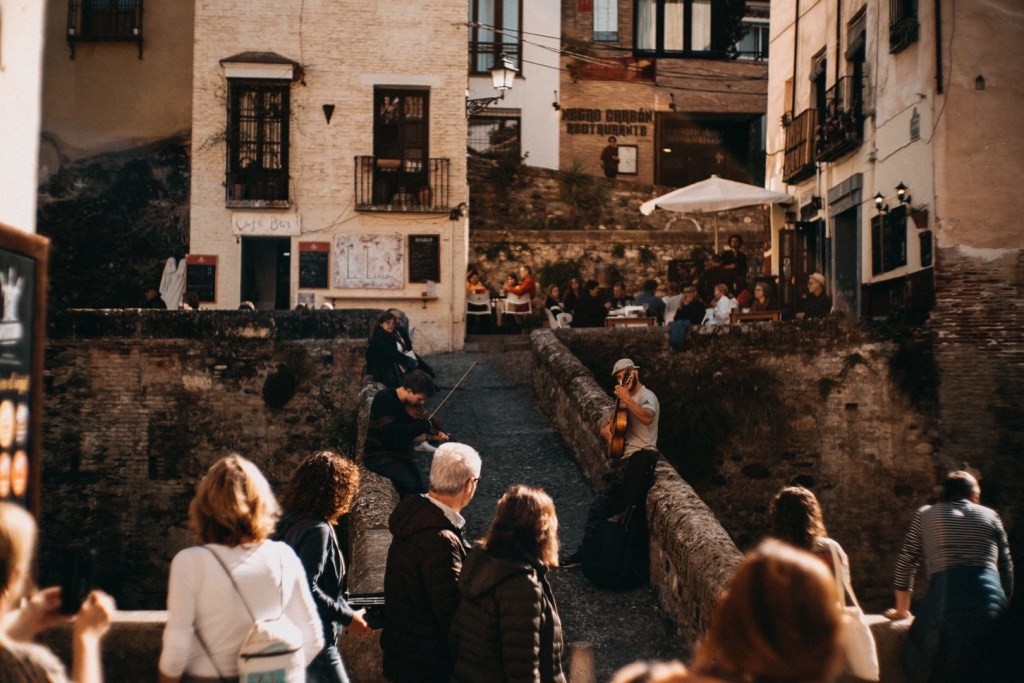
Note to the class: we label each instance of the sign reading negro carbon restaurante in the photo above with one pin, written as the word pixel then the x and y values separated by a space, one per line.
pixel 583 121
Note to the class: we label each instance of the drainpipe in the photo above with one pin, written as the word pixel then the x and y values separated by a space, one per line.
pixel 839 37
pixel 796 51
pixel 938 46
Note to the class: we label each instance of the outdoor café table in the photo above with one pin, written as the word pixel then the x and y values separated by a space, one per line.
pixel 774 316
pixel 622 321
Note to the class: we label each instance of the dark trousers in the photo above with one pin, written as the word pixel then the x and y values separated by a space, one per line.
pixel 629 480
pixel 402 472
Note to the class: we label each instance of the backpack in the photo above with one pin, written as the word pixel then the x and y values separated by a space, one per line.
pixel 614 551
pixel 272 649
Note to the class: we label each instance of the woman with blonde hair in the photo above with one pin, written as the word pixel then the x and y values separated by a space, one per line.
pixel 779 621
pixel 20 659
pixel 217 590
pixel 321 491
pixel 507 627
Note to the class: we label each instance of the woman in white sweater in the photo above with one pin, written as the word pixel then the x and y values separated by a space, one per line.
pixel 233 514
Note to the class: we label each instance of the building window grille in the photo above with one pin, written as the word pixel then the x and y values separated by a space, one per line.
pixel 903 24
pixel 494 137
pixel 258 114
pixel 494 29
pixel 104 20
pixel 606 21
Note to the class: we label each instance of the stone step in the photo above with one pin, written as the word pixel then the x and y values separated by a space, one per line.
pixel 496 343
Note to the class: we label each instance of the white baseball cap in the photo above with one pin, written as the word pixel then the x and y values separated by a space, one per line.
pixel 622 364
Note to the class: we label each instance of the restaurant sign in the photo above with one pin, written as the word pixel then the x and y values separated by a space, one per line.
pixel 584 121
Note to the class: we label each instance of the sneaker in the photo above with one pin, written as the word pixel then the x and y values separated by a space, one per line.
pixel 572 562
pixel 425 447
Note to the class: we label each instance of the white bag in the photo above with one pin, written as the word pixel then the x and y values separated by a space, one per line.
pixel 272 653
pixel 858 641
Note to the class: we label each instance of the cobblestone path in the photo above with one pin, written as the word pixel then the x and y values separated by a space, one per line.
pixel 494 411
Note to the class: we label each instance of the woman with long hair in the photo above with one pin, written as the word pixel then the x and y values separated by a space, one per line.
pixel 217 590
pixel 507 627
pixel 797 520
pixel 21 659
pixel 779 621
pixel 320 492
pixel 385 361
pixel 572 294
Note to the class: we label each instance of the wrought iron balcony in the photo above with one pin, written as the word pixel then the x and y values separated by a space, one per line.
pixel 483 55
pixel 253 186
pixel 106 20
pixel 902 33
pixel 800 148
pixel 841 127
pixel 414 185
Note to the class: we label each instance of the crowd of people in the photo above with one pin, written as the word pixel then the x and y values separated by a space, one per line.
pixel 708 294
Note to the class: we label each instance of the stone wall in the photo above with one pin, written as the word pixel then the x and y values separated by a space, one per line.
pixel 139 404
pixel 751 408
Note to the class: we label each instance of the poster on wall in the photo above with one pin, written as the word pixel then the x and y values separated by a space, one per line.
pixel 23 265
pixel 368 262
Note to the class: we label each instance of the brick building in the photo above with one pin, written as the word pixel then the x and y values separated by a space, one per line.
pixel 328 154
pixel 681 84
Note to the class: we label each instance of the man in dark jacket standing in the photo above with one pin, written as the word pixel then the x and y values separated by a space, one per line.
pixel 423 566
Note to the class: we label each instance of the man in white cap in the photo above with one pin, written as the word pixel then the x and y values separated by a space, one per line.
pixel 642 408
pixel 818 304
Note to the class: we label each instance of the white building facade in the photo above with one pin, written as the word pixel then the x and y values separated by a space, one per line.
pixel 328 160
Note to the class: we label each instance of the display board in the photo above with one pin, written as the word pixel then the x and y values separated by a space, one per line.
pixel 201 276
pixel 424 258
pixel 369 261
pixel 23 266
pixel 314 262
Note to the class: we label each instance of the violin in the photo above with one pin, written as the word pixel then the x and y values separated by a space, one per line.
pixel 419 412
pixel 620 419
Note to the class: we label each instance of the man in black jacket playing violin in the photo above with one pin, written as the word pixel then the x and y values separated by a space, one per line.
pixel 396 425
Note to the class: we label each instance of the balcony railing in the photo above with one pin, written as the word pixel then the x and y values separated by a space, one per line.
pixel 416 185
pixel 800 148
pixel 257 186
pixel 482 55
pixel 842 126
pixel 902 33
pixel 110 20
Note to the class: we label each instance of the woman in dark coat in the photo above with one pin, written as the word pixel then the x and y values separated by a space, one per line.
pixel 384 361
pixel 590 310
pixel 507 628
pixel 321 491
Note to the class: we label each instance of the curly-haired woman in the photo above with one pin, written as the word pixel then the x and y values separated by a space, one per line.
pixel 507 626
pixel 321 491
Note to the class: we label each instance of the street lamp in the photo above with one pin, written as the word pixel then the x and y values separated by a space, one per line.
pixel 880 203
pixel 503 75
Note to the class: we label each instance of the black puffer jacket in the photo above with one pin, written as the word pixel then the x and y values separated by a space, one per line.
pixel 507 627
pixel 420 592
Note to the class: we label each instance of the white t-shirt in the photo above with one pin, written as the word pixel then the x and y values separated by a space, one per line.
pixel 641 437
pixel 200 597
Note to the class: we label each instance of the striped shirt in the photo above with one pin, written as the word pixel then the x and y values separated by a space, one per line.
pixel 954 534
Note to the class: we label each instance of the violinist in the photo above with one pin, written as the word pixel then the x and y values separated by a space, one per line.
pixel 397 424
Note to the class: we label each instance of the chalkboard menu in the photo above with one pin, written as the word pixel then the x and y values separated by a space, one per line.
pixel 23 263
pixel 424 258
pixel 313 264
pixel 201 276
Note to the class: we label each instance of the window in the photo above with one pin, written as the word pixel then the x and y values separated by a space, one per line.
pixel 889 241
pixel 606 21
pixel 101 20
pixel 400 136
pixel 673 26
pixel 494 30
pixel 493 136
pixel 903 24
pixel 258 112
pixel 754 43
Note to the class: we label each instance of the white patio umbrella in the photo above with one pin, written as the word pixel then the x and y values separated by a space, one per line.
pixel 713 195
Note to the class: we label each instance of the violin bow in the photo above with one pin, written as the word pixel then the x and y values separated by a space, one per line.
pixel 452 391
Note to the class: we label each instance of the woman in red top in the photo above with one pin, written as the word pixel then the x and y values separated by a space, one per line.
pixel 527 286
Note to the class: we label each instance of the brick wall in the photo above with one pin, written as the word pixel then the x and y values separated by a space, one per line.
pixel 139 404
pixel 978 323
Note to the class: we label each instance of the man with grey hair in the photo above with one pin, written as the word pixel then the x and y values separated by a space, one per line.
pixel 423 566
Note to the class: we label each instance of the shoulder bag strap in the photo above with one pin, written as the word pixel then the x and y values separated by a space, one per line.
pixel 239 592
pixel 843 587
pixel 195 627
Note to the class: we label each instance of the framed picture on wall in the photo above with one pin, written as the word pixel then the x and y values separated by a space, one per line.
pixel 627 159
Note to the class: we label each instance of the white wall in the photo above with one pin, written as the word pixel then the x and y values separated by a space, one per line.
pixel 534 89
pixel 21 50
